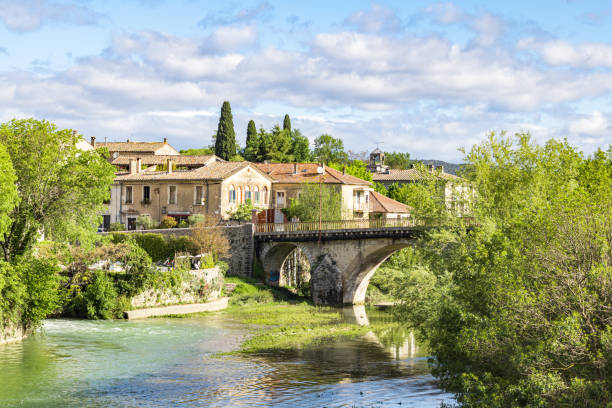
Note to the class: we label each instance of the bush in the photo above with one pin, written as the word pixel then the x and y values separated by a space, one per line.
pixel 100 297
pixel 145 221
pixel 116 226
pixel 183 224
pixel 168 222
pixel 195 219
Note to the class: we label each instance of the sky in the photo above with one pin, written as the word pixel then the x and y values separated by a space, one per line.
pixel 422 77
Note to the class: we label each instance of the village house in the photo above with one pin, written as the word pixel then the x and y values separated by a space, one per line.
pixel 215 189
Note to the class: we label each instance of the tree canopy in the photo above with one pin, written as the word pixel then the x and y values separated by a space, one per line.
pixel 225 141
pixel 329 150
pixel 530 285
pixel 398 160
pixel 287 123
pixel 61 188
pixel 251 150
pixel 311 198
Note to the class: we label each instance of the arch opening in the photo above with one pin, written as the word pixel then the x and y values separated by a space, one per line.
pixel 287 265
pixel 362 271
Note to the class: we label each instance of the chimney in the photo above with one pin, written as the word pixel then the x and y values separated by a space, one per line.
pixel 440 168
pixel 75 132
pixel 431 168
pixel 133 166
pixel 165 140
pixel 170 163
pixel 93 141
pixel 295 169
pixel 138 165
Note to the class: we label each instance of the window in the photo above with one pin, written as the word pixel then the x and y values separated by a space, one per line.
pixel 239 194
pixel 265 195
pixel 280 199
pixel 232 194
pixel 171 194
pixel 199 195
pixel 128 194
pixel 256 195
pixel 247 194
pixel 146 193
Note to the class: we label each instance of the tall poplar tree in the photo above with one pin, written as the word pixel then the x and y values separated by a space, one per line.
pixel 287 123
pixel 252 142
pixel 225 143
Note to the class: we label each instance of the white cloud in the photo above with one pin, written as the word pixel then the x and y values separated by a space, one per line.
pixel 378 19
pixel 594 124
pixel 30 15
pixel 557 52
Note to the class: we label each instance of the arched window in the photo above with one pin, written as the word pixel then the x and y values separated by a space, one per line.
pixel 247 194
pixel 256 195
pixel 265 195
pixel 239 195
pixel 232 194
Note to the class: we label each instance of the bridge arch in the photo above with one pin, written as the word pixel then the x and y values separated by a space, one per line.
pixel 273 255
pixel 358 273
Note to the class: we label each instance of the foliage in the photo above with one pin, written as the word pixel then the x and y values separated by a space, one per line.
pixel 99 297
pixel 398 160
pixel 380 188
pixel 195 219
pixel 168 222
pixel 158 247
pixel 209 238
pixel 275 146
pixel 116 226
pixel 287 123
pixel 315 197
pixel 28 290
pixel 530 286
pixel 197 152
pixel 61 188
pixel 329 150
pixel 145 221
pixel 8 190
pixel 243 211
pixel 300 147
pixel 225 141
pixel 251 150
pixel 356 168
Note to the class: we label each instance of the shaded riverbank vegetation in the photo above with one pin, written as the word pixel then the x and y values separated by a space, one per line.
pixel 518 311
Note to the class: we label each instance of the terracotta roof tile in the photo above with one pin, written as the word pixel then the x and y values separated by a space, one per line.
pixel 384 204
pixel 124 159
pixel 212 171
pixel 410 175
pixel 143 147
pixel 307 173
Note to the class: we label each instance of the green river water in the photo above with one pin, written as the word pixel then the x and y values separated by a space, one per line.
pixel 172 362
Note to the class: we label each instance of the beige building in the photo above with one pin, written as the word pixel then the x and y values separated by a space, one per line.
pixel 288 179
pixel 215 189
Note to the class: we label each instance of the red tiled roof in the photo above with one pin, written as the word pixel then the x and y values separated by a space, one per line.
pixel 124 159
pixel 410 175
pixel 307 173
pixel 384 204
pixel 217 170
pixel 134 147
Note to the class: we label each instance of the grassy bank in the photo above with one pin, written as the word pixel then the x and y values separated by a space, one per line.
pixel 283 321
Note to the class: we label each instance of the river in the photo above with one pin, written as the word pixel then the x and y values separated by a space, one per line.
pixel 173 362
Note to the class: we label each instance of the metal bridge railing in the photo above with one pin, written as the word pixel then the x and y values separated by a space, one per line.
pixel 379 223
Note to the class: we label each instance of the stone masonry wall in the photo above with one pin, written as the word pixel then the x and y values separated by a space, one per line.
pixel 13 332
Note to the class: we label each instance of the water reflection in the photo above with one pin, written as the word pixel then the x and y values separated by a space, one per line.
pixel 169 362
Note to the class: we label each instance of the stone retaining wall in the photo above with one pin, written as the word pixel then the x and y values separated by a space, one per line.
pixel 13 332
pixel 202 286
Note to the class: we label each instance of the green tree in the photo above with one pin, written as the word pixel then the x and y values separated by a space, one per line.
pixel 61 188
pixel 329 150
pixel 251 151
pixel 530 285
pixel 300 147
pixel 397 160
pixel 225 141
pixel 243 212
pixel 287 123
pixel 8 190
pixel 275 145
pixel 197 152
pixel 311 198
pixel 356 168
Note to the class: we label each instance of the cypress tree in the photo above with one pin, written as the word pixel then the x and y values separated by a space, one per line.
pixel 252 142
pixel 287 123
pixel 225 144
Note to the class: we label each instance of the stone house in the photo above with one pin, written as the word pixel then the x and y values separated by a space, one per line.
pixel 141 149
pixel 215 189
pixel 288 179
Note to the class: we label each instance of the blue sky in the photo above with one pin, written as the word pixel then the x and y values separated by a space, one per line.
pixel 416 76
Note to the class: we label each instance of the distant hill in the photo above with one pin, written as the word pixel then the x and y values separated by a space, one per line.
pixel 450 168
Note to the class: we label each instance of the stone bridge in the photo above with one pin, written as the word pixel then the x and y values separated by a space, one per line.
pixel 342 260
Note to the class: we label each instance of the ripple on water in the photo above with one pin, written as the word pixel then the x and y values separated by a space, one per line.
pixel 169 362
